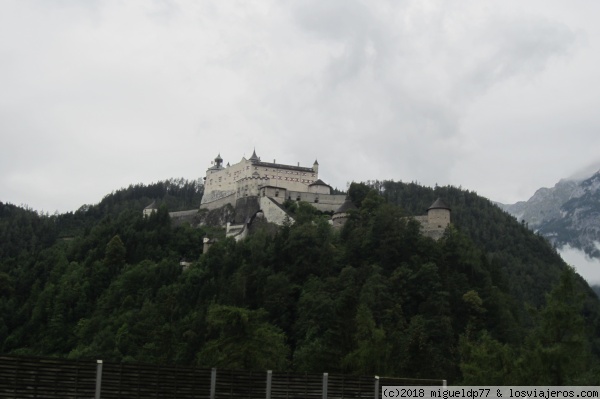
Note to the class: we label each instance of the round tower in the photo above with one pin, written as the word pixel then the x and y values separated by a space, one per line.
pixel 438 215
pixel 339 217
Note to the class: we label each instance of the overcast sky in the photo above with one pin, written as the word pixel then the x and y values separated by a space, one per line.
pixel 497 97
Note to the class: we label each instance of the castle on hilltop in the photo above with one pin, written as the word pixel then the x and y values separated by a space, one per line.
pixel 258 188
pixel 253 188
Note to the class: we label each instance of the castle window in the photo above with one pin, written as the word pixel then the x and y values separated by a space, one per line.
pixel 277 193
pixel 316 199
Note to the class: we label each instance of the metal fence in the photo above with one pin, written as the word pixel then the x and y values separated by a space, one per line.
pixel 49 378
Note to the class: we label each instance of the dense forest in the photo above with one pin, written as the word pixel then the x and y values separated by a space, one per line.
pixel 490 303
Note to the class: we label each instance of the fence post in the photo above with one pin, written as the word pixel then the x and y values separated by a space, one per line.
pixel 325 377
pixel 376 396
pixel 269 378
pixel 98 379
pixel 213 382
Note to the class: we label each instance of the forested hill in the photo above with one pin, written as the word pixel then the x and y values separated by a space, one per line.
pixel 528 260
pixel 490 303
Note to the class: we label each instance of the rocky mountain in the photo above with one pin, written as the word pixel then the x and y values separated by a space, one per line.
pixel 567 214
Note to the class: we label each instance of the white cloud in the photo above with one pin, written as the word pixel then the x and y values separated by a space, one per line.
pixel 588 268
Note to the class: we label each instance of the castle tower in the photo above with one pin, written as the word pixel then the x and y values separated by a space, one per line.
pixel 341 214
pixel 438 215
pixel 218 161
pixel 316 166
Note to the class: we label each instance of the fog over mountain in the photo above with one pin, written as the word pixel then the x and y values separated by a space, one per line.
pixel 568 214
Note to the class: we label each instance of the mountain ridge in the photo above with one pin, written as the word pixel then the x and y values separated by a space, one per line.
pixel 567 213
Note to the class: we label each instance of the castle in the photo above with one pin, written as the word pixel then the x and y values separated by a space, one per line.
pixel 254 189
pixel 257 188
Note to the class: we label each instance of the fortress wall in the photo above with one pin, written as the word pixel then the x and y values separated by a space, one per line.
pixel 323 198
pixel 326 203
pixel 424 220
pixel 215 195
pixel 436 234
pixel 439 218
pixel 183 214
pixel 333 199
pixel 272 211
pixel 434 223
pixel 238 232
pixel 318 189
pixel 229 199
pixel 324 207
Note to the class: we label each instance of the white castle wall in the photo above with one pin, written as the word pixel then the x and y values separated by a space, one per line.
pixel 272 211
pixel 245 177
pixel 323 202
pixel 216 204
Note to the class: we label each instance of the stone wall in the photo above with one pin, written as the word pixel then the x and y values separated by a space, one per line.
pixel 273 212
pixel 439 218
pixel 229 199
pixel 434 223
pixel 323 202
pixel 319 189
pixel 192 217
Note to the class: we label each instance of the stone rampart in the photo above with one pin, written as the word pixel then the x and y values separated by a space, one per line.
pixel 229 199
pixel 323 202
pixel 273 212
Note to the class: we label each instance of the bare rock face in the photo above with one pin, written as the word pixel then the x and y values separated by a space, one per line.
pixel 568 213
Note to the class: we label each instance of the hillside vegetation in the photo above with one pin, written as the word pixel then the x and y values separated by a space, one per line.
pixel 490 303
